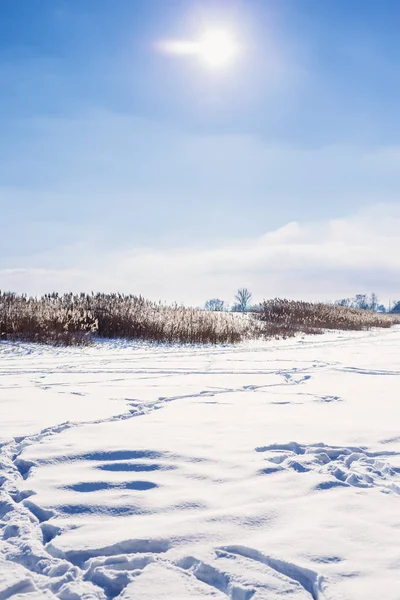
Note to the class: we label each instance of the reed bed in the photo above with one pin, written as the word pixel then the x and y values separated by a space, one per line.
pixel 285 318
pixel 77 319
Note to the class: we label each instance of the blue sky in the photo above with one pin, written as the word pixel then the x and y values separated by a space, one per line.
pixel 124 168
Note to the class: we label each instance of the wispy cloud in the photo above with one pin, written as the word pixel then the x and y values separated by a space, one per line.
pixel 125 178
pixel 317 260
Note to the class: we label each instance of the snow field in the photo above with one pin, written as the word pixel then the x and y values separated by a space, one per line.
pixel 260 471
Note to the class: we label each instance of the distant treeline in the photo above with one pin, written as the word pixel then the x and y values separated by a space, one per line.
pixel 365 302
pixel 359 301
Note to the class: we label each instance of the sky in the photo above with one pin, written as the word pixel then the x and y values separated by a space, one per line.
pixel 127 168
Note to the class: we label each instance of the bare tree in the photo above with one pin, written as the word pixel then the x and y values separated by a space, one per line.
pixel 215 304
pixel 243 297
pixel 361 301
pixel 374 301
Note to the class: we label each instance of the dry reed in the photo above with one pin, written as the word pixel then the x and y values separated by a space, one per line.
pixel 75 319
pixel 286 317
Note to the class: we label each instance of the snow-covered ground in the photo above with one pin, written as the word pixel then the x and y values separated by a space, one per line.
pixel 262 471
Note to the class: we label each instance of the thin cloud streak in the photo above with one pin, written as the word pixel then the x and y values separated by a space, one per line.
pixel 320 260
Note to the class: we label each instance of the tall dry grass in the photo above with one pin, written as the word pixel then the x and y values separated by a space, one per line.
pixel 50 319
pixel 75 319
pixel 284 318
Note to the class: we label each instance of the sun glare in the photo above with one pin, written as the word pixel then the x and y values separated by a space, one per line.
pixel 215 48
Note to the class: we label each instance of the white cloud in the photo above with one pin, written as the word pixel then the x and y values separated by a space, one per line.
pixel 318 260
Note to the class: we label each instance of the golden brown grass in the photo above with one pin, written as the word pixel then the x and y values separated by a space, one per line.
pixel 72 319
pixel 286 317
pixel 75 319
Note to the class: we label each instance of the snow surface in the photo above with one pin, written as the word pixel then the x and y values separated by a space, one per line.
pixel 261 471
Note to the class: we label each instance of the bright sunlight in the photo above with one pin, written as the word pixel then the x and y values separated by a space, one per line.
pixel 215 48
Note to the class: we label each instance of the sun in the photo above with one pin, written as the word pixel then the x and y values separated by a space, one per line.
pixel 217 48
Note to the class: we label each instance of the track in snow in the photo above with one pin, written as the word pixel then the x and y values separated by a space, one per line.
pixel 188 467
